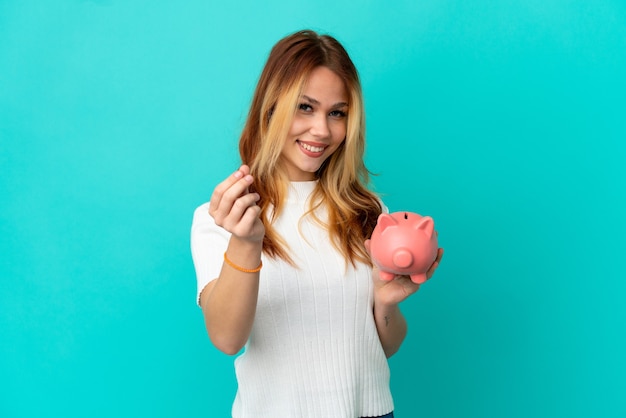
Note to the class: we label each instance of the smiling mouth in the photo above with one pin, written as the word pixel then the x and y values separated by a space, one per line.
pixel 311 148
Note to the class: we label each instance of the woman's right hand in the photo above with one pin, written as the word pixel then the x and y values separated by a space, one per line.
pixel 229 302
pixel 234 208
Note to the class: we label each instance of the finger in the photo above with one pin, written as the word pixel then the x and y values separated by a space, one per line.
pixel 431 270
pixel 251 215
pixel 226 198
pixel 435 264
pixel 235 191
pixel 221 188
pixel 239 208
pixel 249 224
pixel 244 169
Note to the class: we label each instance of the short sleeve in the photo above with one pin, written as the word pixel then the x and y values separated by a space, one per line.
pixel 385 208
pixel 208 244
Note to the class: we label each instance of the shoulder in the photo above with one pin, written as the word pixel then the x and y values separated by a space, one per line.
pixel 201 214
pixel 383 207
pixel 204 231
pixel 203 223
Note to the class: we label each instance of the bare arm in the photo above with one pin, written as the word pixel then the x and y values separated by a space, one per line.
pixel 391 326
pixel 229 302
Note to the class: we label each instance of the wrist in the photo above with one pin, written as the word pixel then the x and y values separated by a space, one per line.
pixel 243 269
pixel 244 253
pixel 242 245
pixel 385 309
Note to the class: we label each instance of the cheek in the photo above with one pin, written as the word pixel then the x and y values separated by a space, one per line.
pixel 339 132
pixel 297 127
pixel 337 141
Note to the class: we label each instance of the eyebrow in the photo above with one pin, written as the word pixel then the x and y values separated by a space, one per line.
pixel 316 102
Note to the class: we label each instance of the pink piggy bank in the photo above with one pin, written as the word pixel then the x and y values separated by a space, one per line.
pixel 404 243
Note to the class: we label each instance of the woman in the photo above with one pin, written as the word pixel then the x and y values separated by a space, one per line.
pixel 281 251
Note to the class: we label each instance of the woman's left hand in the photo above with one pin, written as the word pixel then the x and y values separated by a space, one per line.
pixel 392 292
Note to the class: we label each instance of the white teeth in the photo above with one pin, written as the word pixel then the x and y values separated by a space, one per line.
pixel 311 148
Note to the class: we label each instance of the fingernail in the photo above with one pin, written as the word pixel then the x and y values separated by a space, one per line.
pixel 238 174
pixel 248 178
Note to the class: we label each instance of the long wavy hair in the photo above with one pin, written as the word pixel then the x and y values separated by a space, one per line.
pixel 342 178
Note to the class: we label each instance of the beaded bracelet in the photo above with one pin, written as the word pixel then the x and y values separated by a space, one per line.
pixel 244 270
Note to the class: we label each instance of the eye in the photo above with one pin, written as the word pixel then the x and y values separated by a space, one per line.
pixel 339 114
pixel 305 107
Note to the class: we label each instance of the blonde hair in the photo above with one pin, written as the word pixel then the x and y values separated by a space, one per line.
pixel 343 177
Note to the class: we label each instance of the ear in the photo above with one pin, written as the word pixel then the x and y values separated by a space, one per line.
pixel 385 220
pixel 427 225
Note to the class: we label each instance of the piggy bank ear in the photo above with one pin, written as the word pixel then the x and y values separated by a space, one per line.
pixel 385 220
pixel 427 225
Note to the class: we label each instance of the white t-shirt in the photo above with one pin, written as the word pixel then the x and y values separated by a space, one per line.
pixel 314 350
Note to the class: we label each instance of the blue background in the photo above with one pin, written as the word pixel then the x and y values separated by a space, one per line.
pixel 504 120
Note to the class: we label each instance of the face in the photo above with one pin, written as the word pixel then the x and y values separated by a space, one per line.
pixel 319 125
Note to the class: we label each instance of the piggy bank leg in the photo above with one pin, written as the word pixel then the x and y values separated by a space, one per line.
pixel 418 278
pixel 384 275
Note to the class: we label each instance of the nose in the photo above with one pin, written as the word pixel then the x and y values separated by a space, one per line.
pixel 319 127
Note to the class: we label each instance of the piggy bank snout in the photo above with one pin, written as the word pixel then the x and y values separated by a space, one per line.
pixel 402 258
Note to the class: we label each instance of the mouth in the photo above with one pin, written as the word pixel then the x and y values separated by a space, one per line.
pixel 311 149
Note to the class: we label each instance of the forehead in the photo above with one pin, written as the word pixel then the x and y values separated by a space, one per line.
pixel 324 85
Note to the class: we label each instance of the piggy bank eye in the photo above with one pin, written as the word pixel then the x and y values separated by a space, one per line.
pixel 406 216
